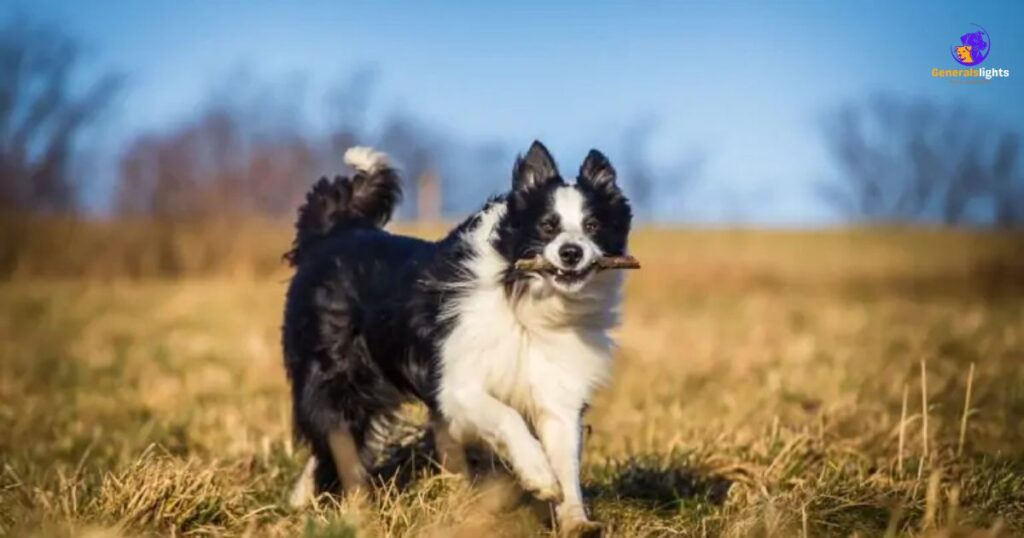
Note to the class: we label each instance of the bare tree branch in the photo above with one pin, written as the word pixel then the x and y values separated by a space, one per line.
pixel 907 160
pixel 42 117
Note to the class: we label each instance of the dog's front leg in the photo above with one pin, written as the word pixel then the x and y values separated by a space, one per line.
pixel 559 431
pixel 474 413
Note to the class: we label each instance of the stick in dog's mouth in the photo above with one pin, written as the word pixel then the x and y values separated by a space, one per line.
pixel 539 263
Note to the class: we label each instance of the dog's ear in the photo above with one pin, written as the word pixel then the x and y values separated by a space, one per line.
pixel 536 169
pixel 597 172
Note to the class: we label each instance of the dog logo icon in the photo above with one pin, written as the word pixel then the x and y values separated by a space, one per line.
pixel 974 47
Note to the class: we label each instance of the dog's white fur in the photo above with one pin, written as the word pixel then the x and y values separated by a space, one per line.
pixel 366 159
pixel 530 360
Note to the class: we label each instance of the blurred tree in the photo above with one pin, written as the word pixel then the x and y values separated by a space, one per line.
pixel 251 155
pixel 636 166
pixel 45 107
pixel 1007 188
pixel 348 103
pixel 416 152
pixel 476 172
pixel 222 162
pixel 644 184
pixel 913 160
pixel 245 154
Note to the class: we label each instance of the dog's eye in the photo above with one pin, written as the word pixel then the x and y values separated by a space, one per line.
pixel 548 226
pixel 591 225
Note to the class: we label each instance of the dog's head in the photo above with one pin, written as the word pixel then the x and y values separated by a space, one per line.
pixel 571 225
pixel 963 52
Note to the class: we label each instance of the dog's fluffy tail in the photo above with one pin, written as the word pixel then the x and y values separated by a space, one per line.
pixel 367 199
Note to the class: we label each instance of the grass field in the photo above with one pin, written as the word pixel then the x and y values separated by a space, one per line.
pixel 768 383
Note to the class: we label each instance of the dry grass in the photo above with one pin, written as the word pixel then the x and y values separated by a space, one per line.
pixel 759 390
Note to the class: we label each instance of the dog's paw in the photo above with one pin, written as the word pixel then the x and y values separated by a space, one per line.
pixel 545 489
pixel 579 527
pixel 299 499
pixel 573 521
pixel 540 481
pixel 547 492
pixel 304 490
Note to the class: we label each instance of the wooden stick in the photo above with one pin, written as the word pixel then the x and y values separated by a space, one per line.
pixel 539 263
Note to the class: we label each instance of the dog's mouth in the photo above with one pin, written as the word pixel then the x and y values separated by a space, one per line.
pixel 570 276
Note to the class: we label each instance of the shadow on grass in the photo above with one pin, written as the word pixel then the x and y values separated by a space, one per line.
pixel 416 457
pixel 657 484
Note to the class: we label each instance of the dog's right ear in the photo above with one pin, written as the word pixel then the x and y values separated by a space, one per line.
pixel 536 169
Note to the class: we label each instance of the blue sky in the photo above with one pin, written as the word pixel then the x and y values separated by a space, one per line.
pixel 743 82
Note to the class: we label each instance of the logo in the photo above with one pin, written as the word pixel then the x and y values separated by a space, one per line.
pixel 974 47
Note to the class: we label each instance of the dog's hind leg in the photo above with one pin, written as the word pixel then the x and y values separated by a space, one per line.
pixel 345 453
pixel 450 453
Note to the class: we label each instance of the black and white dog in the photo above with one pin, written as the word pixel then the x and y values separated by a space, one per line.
pixel 499 356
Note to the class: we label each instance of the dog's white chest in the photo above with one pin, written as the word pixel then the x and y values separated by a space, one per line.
pixel 523 365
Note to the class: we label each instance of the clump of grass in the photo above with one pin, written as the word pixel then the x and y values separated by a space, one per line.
pixel 334 528
pixel 180 496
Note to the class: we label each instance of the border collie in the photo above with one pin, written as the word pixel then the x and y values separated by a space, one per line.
pixel 499 357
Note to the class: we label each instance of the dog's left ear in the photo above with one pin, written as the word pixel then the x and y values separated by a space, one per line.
pixel 597 172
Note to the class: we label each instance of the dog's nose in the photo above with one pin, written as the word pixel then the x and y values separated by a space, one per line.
pixel 570 254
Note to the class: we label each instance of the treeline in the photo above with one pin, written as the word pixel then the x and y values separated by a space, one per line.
pixel 183 194
pixel 912 160
pixel 247 151
pixel 202 196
